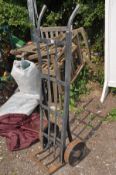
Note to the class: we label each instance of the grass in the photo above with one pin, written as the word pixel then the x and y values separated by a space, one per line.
pixel 111 116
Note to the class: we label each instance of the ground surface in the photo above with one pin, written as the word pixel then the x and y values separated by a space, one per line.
pixel 88 124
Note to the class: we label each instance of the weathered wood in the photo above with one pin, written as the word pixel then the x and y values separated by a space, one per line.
pixel 78 58
pixel 53 29
pixel 83 33
pixel 52 32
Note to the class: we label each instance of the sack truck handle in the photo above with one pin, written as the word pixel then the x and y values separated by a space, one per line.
pixel 70 21
pixel 41 15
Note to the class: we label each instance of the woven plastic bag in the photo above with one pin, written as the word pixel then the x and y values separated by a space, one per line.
pixel 27 78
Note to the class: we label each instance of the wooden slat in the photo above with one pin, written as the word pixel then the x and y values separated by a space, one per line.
pixel 46 34
pixel 54 29
pixel 28 48
pixel 51 34
pixel 56 33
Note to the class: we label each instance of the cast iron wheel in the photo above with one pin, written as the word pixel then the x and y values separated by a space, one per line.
pixel 74 152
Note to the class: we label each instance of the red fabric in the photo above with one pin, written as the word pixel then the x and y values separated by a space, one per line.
pixel 20 130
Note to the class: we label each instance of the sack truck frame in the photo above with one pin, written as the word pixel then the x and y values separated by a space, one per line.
pixel 56 148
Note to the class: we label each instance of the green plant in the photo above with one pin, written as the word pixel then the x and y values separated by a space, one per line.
pixel 111 116
pixel 52 18
pixel 91 116
pixel 14 16
pixel 78 111
pixel 90 15
pixel 98 75
pixel 113 91
pixel 78 87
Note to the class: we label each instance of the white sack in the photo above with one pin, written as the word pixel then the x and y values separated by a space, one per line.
pixel 28 79
pixel 27 99
pixel 20 103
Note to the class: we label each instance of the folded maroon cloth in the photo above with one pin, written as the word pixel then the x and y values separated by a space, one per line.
pixel 20 130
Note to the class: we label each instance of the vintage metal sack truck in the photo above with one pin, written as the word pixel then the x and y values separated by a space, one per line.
pixel 56 149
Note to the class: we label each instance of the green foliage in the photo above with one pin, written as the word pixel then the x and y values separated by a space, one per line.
pixel 78 88
pixel 113 91
pixel 15 16
pixel 111 116
pixel 92 18
pixel 52 18
pixel 90 15
pixel 97 74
